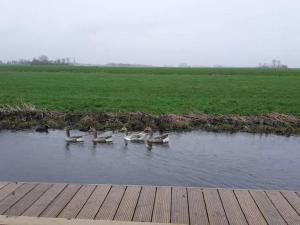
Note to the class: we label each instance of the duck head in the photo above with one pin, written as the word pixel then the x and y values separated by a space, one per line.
pixel 148 130
pixel 124 130
pixel 93 131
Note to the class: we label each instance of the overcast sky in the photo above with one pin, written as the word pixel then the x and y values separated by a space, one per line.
pixel 157 32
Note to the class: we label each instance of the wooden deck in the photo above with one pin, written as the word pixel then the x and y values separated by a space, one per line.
pixel 179 205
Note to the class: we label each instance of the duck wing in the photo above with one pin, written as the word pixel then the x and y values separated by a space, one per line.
pixel 136 135
pixel 76 137
pixel 107 134
pixel 161 137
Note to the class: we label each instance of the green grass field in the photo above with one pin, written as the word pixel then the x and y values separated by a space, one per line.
pixel 155 90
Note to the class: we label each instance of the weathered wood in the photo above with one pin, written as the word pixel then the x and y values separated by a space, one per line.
pixel 144 208
pixel 23 220
pixel 190 206
pixel 197 208
pixel 284 208
pixel 28 200
pixel 2 184
pixel 179 208
pixel 265 205
pixel 293 199
pixel 215 211
pixel 162 206
pixel 232 208
pixel 61 201
pixel 249 207
pixel 8 189
pixel 93 204
pixel 128 204
pixel 75 205
pixel 42 203
pixel 15 196
pixel 111 203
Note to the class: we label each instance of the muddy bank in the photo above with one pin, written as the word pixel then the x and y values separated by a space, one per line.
pixel 27 117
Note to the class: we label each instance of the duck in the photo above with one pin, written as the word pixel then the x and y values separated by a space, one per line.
pixel 160 139
pixel 133 137
pixel 106 137
pixel 42 128
pixel 72 139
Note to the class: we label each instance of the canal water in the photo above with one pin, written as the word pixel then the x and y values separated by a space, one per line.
pixel 194 158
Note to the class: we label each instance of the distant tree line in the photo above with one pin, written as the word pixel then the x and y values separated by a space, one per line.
pixel 275 64
pixel 41 60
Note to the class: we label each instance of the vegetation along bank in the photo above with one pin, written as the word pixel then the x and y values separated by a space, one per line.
pixel 215 99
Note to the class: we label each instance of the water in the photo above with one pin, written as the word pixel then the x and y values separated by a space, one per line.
pixel 191 159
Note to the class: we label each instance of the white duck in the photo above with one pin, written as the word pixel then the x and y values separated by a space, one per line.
pixel 133 137
pixel 106 137
pixel 72 139
pixel 160 139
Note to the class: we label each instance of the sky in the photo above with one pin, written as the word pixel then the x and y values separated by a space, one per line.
pixel 235 33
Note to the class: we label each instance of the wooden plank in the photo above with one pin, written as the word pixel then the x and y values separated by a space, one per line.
pixel 162 205
pixel 2 184
pixel 111 203
pixel 128 204
pixel 179 206
pixel 249 207
pixel 28 200
pixel 266 207
pixel 93 204
pixel 197 209
pixel 293 199
pixel 144 208
pixel 232 208
pixel 215 210
pixel 61 201
pixel 24 220
pixel 8 189
pixel 42 203
pixel 78 201
pixel 284 208
pixel 15 196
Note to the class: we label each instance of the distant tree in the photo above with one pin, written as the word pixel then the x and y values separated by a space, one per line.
pixel 43 59
pixel 183 65
pixel 57 61
pixel 274 61
pixel 1 62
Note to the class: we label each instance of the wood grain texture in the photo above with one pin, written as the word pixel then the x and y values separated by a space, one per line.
pixel 284 208
pixel 8 189
pixel 232 208
pixel 215 210
pixel 249 207
pixel 15 196
pixel 162 206
pixel 197 207
pixel 267 208
pixel 144 208
pixel 293 199
pixel 92 206
pixel 28 200
pixel 177 205
pixel 180 208
pixel 111 203
pixel 44 201
pixel 128 204
pixel 78 201
pixel 61 201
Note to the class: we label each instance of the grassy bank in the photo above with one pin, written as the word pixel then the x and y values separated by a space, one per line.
pixel 154 90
